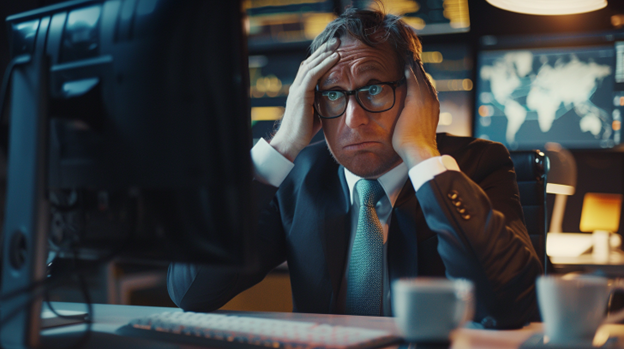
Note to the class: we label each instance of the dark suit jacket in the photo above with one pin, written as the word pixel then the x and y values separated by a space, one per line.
pixel 307 223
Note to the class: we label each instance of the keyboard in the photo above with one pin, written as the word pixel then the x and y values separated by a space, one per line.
pixel 224 330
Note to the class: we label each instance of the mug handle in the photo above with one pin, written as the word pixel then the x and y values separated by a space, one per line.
pixel 460 311
pixel 618 316
pixel 464 308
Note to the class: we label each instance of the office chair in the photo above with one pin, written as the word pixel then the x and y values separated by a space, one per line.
pixel 531 174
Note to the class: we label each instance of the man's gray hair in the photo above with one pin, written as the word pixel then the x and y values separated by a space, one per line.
pixel 372 28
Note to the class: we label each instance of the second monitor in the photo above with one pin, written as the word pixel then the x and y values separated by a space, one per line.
pixel 564 89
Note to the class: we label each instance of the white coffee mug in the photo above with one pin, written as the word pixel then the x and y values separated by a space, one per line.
pixel 573 308
pixel 428 309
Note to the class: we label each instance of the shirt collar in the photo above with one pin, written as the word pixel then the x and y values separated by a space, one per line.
pixel 392 182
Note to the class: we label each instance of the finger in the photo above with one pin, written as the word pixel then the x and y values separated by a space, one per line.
pixel 325 61
pixel 315 73
pixel 306 65
pixel 319 59
pixel 330 46
pixel 422 76
pixel 319 55
pixel 420 94
pixel 413 89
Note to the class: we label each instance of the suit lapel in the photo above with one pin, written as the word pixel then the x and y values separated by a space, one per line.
pixel 336 231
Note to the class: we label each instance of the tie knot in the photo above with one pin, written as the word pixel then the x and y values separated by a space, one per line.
pixel 370 191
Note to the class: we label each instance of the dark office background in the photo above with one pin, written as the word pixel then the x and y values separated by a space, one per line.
pixel 598 171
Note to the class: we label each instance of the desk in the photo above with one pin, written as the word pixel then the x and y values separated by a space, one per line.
pixel 586 263
pixel 108 318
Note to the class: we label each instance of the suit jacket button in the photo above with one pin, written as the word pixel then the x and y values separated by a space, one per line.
pixel 457 203
pixel 453 194
pixel 488 322
pixel 461 210
pixel 466 216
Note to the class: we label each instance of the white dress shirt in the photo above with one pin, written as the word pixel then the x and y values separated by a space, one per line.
pixel 271 167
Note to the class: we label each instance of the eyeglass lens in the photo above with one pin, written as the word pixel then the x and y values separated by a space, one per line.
pixel 373 98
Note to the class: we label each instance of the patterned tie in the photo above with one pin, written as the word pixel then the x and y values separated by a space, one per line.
pixel 366 263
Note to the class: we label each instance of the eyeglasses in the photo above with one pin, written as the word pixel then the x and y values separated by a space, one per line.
pixel 375 98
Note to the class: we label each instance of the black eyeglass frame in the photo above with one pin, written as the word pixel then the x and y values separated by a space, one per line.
pixel 393 84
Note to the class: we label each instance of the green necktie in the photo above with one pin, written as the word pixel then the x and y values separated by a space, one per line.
pixel 364 277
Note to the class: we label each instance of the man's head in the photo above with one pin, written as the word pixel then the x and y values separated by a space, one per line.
pixel 374 28
pixel 374 48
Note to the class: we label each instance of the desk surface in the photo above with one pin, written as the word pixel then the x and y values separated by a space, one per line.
pixel 613 266
pixel 109 318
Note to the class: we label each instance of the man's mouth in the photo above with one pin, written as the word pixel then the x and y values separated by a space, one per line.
pixel 360 145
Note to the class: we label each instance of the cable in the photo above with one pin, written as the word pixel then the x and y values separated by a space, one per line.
pixel 40 287
pixel 88 319
pixel 40 283
pixel 31 297
pixel 33 286
pixel 27 289
pixel 59 315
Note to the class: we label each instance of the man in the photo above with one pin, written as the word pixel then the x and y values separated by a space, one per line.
pixel 456 215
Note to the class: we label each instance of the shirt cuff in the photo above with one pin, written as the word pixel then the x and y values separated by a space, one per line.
pixel 426 170
pixel 270 167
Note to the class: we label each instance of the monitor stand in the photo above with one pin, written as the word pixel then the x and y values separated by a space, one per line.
pixel 25 234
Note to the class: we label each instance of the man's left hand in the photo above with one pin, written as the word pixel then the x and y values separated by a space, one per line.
pixel 414 137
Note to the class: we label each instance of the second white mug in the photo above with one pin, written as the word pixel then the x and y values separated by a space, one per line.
pixel 572 309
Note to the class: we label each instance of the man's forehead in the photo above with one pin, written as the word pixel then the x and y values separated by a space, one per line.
pixel 349 44
pixel 335 75
pixel 357 58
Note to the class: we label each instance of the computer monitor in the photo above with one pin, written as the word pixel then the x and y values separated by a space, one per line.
pixel 129 135
pixel 567 89
pixel 149 131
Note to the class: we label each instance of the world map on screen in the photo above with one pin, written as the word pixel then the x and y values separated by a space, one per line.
pixel 529 97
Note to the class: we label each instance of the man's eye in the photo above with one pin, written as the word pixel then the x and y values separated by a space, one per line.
pixel 374 89
pixel 332 95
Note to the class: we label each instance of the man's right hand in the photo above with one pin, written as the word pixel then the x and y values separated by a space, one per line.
pixel 298 124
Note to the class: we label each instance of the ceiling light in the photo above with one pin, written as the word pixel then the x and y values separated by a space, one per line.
pixel 549 7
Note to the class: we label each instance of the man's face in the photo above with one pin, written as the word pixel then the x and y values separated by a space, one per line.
pixel 360 140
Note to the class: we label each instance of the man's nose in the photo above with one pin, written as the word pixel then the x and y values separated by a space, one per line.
pixel 355 115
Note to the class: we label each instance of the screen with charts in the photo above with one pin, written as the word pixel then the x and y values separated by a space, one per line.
pixel 450 67
pixel 429 17
pixel 272 23
pixel 568 90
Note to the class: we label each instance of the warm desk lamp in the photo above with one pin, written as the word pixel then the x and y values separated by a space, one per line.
pixel 561 182
pixel 601 215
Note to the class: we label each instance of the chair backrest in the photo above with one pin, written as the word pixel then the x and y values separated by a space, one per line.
pixel 531 174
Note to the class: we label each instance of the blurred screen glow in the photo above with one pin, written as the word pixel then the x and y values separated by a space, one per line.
pixel 426 17
pixel 285 21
